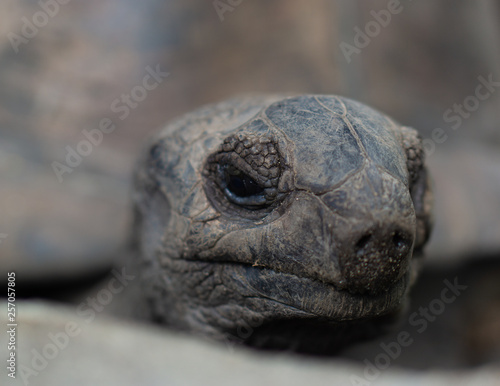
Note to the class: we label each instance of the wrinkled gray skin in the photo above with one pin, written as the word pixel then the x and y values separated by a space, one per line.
pixel 279 222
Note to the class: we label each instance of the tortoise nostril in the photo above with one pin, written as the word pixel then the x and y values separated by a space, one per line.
pixel 386 242
pixel 400 240
pixel 397 240
pixel 363 241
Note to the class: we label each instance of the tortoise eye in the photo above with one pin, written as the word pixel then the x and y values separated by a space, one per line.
pixel 242 189
pixel 240 184
pixel 243 175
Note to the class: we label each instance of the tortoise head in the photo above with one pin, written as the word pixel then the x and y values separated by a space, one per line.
pixel 272 215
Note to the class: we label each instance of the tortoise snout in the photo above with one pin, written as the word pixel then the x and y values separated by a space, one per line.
pixel 375 257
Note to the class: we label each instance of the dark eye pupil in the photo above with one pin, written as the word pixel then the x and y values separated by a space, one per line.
pixel 242 185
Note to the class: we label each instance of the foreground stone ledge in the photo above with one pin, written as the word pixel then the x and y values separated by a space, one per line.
pixel 111 352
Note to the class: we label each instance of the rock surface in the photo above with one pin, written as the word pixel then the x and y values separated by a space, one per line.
pixel 113 353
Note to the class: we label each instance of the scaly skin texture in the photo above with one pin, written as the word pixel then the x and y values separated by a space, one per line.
pixel 278 222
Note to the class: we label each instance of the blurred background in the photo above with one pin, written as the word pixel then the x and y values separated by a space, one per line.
pixel 67 68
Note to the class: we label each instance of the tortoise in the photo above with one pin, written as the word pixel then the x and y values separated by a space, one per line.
pixel 390 160
pixel 284 222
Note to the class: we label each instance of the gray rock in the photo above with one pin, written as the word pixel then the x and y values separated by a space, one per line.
pixel 113 353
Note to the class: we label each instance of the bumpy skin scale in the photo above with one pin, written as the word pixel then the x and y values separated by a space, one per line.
pixel 281 222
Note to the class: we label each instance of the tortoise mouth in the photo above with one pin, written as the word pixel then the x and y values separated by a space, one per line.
pixel 314 297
